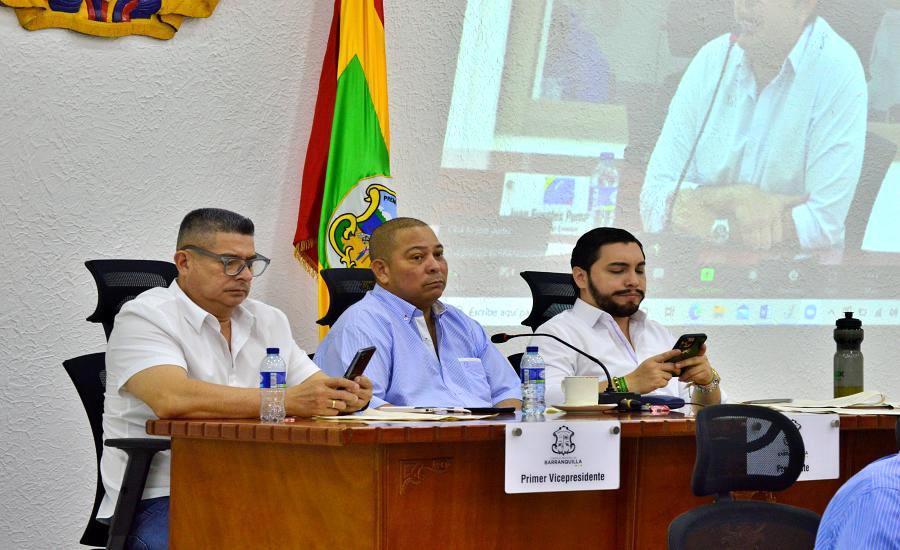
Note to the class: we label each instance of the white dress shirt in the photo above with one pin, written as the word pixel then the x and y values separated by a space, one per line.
pixel 803 134
pixel 162 326
pixel 595 332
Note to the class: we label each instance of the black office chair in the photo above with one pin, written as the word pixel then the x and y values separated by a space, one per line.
pixel 879 154
pixel 88 374
pixel 121 280
pixel 117 282
pixel 745 448
pixel 551 294
pixel 346 286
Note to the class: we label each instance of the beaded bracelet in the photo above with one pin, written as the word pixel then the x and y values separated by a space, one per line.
pixel 619 384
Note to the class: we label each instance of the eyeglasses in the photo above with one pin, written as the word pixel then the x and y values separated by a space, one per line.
pixel 234 265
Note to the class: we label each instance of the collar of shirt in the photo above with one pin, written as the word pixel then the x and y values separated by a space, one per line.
pixel 593 315
pixel 791 66
pixel 403 308
pixel 242 321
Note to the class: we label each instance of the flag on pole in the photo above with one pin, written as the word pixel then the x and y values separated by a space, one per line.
pixel 347 191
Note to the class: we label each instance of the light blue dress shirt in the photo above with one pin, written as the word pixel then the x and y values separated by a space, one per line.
pixel 468 370
pixel 803 134
pixel 865 512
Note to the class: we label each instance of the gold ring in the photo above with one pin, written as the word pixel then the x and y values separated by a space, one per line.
pixel 332 404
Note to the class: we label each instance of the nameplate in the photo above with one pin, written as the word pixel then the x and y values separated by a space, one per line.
pixel 552 456
pixel 821 437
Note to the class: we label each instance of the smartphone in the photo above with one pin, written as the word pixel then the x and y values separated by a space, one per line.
pixel 491 410
pixel 359 363
pixel 690 345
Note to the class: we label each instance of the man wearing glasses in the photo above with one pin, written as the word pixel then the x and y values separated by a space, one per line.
pixel 193 350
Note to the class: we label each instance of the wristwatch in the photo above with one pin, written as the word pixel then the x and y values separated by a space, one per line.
pixel 720 231
pixel 712 386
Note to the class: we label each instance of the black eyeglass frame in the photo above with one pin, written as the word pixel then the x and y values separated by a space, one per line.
pixel 226 259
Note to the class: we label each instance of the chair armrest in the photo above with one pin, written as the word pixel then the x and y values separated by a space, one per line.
pixel 139 443
pixel 140 451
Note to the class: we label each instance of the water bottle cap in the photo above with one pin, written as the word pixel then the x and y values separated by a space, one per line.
pixel 272 351
pixel 848 321
pixel 607 156
pixel 531 349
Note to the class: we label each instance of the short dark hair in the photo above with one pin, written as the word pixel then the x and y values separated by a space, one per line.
pixel 587 249
pixel 383 238
pixel 199 225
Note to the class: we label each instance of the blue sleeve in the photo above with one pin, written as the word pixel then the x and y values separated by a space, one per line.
pixel 501 376
pixel 872 522
pixel 349 335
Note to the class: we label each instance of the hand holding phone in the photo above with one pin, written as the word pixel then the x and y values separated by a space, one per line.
pixel 689 345
pixel 359 363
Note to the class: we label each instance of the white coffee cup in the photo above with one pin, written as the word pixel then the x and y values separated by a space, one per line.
pixel 581 390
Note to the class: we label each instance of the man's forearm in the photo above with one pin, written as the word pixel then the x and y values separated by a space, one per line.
pixel 702 399
pixel 517 404
pixel 198 399
pixel 169 391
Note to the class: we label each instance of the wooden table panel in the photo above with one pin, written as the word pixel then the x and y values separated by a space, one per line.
pixel 439 485
pixel 451 496
pixel 235 494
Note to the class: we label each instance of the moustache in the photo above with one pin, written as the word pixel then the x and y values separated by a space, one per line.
pixel 627 292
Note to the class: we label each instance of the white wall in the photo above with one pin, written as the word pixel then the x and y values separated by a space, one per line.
pixel 106 144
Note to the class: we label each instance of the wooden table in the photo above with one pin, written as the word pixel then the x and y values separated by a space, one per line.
pixel 314 484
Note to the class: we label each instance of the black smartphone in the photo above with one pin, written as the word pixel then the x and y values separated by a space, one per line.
pixel 491 410
pixel 359 363
pixel 690 345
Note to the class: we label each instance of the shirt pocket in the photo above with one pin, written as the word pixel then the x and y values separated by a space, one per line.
pixel 474 378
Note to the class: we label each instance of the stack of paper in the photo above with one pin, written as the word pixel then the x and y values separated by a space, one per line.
pixel 867 402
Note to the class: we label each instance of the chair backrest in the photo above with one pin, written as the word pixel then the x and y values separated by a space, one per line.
pixel 516 361
pixel 879 155
pixel 346 286
pixel 551 294
pixel 88 374
pixel 745 448
pixel 121 280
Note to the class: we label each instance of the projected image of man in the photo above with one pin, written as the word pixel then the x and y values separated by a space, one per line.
pixel 780 155
pixel 608 266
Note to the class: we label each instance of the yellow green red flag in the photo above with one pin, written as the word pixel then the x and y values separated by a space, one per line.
pixel 346 191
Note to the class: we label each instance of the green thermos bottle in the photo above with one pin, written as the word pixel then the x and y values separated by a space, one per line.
pixel 848 359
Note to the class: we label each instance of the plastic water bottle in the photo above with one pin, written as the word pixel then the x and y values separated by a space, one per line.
pixel 848 359
pixel 272 382
pixel 604 189
pixel 532 369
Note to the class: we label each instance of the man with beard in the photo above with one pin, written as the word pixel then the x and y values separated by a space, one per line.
pixel 608 267
pixel 428 353
pixel 763 142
